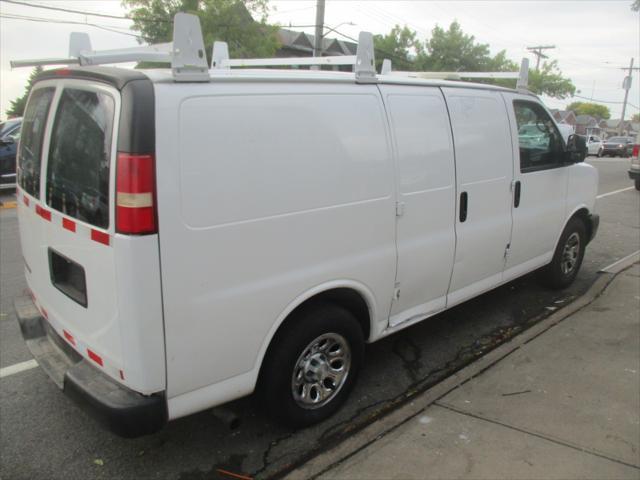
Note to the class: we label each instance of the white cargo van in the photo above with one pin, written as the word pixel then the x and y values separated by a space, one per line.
pixel 192 235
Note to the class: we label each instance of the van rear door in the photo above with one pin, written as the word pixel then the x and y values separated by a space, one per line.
pixel 96 288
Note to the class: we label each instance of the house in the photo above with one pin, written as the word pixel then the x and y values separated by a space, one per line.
pixel 566 117
pixel 611 127
pixel 587 125
pixel 300 44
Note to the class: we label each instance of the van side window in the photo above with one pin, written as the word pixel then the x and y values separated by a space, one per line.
pixel 30 154
pixel 541 145
pixel 79 156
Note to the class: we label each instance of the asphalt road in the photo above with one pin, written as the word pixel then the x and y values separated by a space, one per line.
pixel 43 435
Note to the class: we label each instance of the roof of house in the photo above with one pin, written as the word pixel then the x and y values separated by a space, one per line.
pixel 303 42
pixel 585 120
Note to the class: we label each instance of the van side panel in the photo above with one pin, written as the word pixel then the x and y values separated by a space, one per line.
pixel 426 188
pixel 268 191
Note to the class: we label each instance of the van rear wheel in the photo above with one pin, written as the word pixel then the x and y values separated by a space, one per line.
pixel 312 366
pixel 567 259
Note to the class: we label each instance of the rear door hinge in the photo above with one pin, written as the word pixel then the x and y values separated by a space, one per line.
pixel 399 209
pixel 396 292
pixel 506 251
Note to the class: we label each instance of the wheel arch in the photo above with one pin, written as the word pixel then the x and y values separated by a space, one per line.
pixel 353 296
pixel 582 212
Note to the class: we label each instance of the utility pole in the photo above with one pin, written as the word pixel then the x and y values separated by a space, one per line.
pixel 537 51
pixel 317 47
pixel 626 84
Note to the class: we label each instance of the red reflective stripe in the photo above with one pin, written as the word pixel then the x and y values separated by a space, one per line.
pixel 100 237
pixel 95 357
pixel 46 214
pixel 69 337
pixel 69 224
pixel 25 199
pixel 121 375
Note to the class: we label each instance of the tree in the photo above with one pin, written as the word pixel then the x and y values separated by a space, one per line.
pixel 16 109
pixel 400 45
pixel 635 118
pixel 635 6
pixel 231 21
pixel 452 50
pixel 593 109
pixel 549 81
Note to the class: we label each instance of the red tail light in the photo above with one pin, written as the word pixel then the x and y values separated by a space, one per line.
pixel 135 194
pixel 636 150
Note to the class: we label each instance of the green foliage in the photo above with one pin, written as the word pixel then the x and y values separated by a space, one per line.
pixel 635 6
pixel 240 23
pixel 400 45
pixel 16 109
pixel 452 50
pixel 635 118
pixel 593 109
pixel 549 81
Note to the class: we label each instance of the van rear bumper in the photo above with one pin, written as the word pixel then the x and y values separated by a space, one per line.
pixel 120 409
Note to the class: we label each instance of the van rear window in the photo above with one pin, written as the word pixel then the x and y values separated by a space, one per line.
pixel 79 156
pixel 33 126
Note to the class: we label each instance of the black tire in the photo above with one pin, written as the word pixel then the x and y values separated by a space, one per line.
pixel 276 383
pixel 600 153
pixel 564 266
pixel 637 182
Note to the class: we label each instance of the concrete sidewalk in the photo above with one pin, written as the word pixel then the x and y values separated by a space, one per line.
pixel 565 405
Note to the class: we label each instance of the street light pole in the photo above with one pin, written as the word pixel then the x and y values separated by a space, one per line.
pixel 626 84
pixel 317 44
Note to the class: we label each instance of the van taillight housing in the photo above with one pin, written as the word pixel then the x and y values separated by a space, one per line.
pixel 636 150
pixel 135 194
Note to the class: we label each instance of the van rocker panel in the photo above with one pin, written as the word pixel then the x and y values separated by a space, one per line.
pixel 123 411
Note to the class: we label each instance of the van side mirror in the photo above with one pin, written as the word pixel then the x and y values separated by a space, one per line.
pixel 7 140
pixel 576 150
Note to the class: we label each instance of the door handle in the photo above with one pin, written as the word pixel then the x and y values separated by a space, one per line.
pixel 464 199
pixel 516 195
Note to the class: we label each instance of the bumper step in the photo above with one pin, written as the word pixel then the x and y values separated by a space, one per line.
pixel 120 409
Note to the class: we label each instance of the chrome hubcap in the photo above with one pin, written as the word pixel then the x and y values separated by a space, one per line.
pixel 570 254
pixel 321 371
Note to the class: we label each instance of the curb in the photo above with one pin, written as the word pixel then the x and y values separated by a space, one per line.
pixel 369 434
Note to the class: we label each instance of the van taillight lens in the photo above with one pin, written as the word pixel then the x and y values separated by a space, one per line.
pixel 636 150
pixel 135 194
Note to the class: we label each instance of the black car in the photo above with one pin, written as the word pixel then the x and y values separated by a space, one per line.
pixel 9 135
pixel 617 147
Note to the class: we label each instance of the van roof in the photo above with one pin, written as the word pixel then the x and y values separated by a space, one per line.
pixel 118 77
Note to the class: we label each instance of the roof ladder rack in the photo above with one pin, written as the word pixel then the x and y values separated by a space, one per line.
pixel 363 61
pixel 186 53
pixel 522 75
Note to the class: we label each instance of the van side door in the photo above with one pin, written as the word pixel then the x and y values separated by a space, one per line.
pixel 484 170
pixel 425 172
pixel 540 185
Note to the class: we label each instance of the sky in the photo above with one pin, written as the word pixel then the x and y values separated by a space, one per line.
pixel 593 39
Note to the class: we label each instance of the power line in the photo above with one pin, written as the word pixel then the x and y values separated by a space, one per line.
pixel 68 22
pixel 67 10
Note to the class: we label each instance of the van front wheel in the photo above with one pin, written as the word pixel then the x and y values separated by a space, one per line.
pixel 312 366
pixel 563 269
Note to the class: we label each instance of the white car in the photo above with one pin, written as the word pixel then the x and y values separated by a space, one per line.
pixel 595 145
pixel 191 236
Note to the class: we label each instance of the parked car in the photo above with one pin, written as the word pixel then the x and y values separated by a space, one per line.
pixel 595 145
pixel 634 169
pixel 617 147
pixel 252 230
pixel 9 136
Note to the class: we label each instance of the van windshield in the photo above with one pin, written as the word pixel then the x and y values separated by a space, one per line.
pixel 79 156
pixel 30 154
